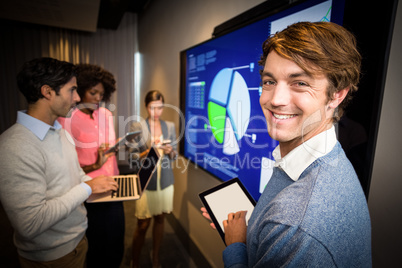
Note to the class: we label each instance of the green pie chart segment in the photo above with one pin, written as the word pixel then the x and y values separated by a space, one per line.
pixel 229 109
pixel 217 116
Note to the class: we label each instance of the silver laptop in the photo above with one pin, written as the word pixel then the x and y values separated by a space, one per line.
pixel 131 187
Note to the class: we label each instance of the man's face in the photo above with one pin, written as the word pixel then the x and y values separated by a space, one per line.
pixel 294 103
pixel 66 99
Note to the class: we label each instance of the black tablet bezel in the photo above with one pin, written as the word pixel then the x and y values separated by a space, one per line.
pixel 121 142
pixel 202 196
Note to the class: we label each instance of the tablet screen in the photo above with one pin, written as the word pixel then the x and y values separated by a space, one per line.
pixel 230 196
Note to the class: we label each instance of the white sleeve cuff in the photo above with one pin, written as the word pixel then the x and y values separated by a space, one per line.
pixel 87 188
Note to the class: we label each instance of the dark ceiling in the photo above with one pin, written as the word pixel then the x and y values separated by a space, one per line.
pixel 111 11
pixel 84 15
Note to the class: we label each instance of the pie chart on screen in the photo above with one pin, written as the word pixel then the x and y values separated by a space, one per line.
pixel 229 109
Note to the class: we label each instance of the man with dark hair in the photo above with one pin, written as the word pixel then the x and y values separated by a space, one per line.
pixel 42 184
pixel 313 212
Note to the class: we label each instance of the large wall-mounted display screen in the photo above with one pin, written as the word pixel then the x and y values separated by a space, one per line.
pixel 225 129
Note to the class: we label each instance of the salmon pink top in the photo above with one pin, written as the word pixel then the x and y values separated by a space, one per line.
pixel 88 134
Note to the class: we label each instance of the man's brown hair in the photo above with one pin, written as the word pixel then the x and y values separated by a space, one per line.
pixel 322 47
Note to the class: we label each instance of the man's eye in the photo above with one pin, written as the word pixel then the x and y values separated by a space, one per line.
pixel 269 83
pixel 301 84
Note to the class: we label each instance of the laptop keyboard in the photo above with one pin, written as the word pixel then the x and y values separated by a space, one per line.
pixel 126 187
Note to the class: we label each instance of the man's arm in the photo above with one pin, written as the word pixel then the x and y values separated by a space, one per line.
pixel 36 191
pixel 102 184
pixel 235 228
pixel 25 196
pixel 235 255
pixel 279 245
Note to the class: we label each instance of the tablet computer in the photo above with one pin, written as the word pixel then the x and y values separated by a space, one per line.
pixel 127 137
pixel 230 196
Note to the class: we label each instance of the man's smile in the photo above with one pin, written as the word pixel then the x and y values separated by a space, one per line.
pixel 283 116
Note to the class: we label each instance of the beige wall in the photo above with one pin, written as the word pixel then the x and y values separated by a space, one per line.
pixel 385 198
pixel 165 29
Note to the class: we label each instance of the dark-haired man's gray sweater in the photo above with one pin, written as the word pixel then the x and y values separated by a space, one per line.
pixel 314 217
pixel 42 189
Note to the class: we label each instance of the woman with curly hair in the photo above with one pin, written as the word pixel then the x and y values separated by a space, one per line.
pixel 92 129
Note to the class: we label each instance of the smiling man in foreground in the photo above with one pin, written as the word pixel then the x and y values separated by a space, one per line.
pixel 313 212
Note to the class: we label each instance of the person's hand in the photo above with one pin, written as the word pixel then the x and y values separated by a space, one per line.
pixel 167 149
pixel 144 153
pixel 117 147
pixel 206 215
pixel 102 184
pixel 102 157
pixel 235 228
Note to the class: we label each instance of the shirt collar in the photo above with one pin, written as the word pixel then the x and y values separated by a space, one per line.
pixel 36 126
pixel 297 160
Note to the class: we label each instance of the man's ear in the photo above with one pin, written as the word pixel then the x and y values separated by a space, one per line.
pixel 46 91
pixel 338 97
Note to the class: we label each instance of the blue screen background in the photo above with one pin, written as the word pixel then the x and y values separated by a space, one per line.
pixel 238 52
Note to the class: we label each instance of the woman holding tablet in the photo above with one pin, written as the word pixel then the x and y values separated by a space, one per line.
pixel 92 129
pixel 158 197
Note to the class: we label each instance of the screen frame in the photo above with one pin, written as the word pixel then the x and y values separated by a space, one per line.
pixel 366 105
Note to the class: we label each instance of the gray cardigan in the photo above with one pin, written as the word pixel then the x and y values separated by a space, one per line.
pixel 143 142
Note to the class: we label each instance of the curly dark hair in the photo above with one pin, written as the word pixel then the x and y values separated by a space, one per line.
pixel 89 75
pixel 43 71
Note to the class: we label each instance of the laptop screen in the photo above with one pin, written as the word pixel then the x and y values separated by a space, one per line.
pixel 148 166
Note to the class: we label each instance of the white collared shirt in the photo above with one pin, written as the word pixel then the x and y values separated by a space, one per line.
pixel 297 160
pixel 36 126
pixel 40 129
